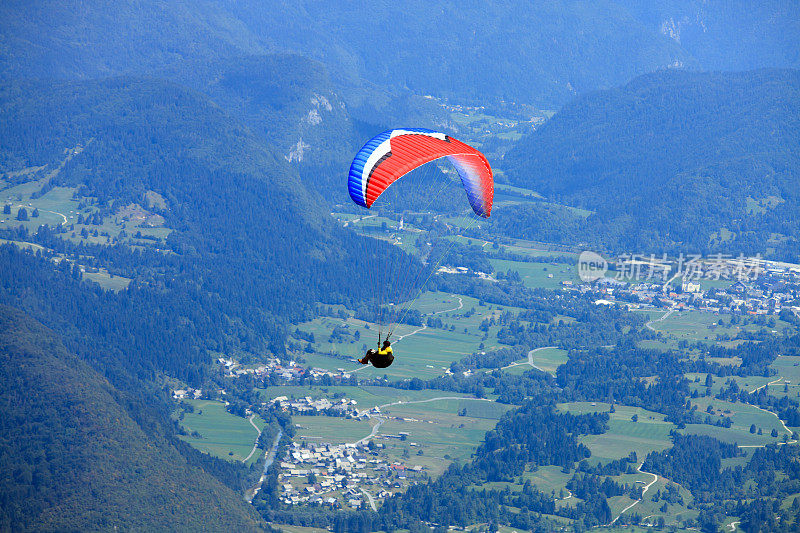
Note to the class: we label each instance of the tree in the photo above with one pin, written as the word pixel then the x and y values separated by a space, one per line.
pixel 7 209
pixel 35 213
pixel 752 428
pixel 22 214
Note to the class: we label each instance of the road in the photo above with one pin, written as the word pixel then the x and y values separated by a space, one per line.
pixel 255 444
pixel 646 488
pixel 371 499
pixel 530 359
pixel 381 419
pixel 649 324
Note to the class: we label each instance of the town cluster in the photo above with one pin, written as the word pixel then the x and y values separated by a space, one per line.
pixel 775 287
pixel 342 475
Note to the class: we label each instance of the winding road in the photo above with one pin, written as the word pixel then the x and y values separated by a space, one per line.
pixel 646 487
pixel 530 359
pixel 255 444
pixel 649 325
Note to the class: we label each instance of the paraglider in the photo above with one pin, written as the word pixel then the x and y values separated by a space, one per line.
pixel 382 358
pixel 394 153
pixel 389 156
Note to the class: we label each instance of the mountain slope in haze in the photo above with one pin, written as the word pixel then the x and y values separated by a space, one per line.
pixel 71 459
pixel 251 248
pixel 727 34
pixel 541 52
pixel 673 159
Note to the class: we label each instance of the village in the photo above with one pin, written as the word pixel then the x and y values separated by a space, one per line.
pixel 731 286
pixel 342 475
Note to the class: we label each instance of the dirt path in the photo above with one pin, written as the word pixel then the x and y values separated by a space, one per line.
pixel 649 325
pixel 646 488
pixel 255 444
pixel 371 499
pixel 530 359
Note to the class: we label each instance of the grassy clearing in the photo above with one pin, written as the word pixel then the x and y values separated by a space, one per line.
pixel 222 434
pixel 298 529
pixel 743 416
pixel 693 326
pixel 748 383
pixel 108 281
pixel 419 351
pixel 538 275
pixel 788 367
pixel 675 513
pixel 549 359
pixel 436 430
pixel 649 433
pixel 731 436
pixel 330 430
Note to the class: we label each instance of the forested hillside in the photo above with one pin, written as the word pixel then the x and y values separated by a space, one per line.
pixel 540 52
pixel 237 207
pixel 704 161
pixel 72 459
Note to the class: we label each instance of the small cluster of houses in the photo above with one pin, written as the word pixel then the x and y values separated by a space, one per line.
pixel 285 369
pixel 187 393
pixel 311 405
pixel 341 475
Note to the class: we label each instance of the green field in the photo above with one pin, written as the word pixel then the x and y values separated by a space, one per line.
pixel 546 359
pixel 108 281
pixel 538 275
pixel 788 369
pixel 330 430
pixel 743 416
pixel 748 383
pixel 694 325
pixel 419 351
pixel 60 206
pixel 649 433
pixel 549 359
pixel 366 396
pixel 438 431
pixel 222 434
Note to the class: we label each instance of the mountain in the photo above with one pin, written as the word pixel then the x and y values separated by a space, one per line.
pixel 74 460
pixel 705 160
pixel 727 35
pixel 539 52
pixel 249 249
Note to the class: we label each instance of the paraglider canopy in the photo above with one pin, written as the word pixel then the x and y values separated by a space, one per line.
pixel 392 154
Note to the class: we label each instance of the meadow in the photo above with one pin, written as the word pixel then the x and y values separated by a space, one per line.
pixel 330 430
pixel 538 275
pixel 420 351
pixel 221 433
pixel 649 433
